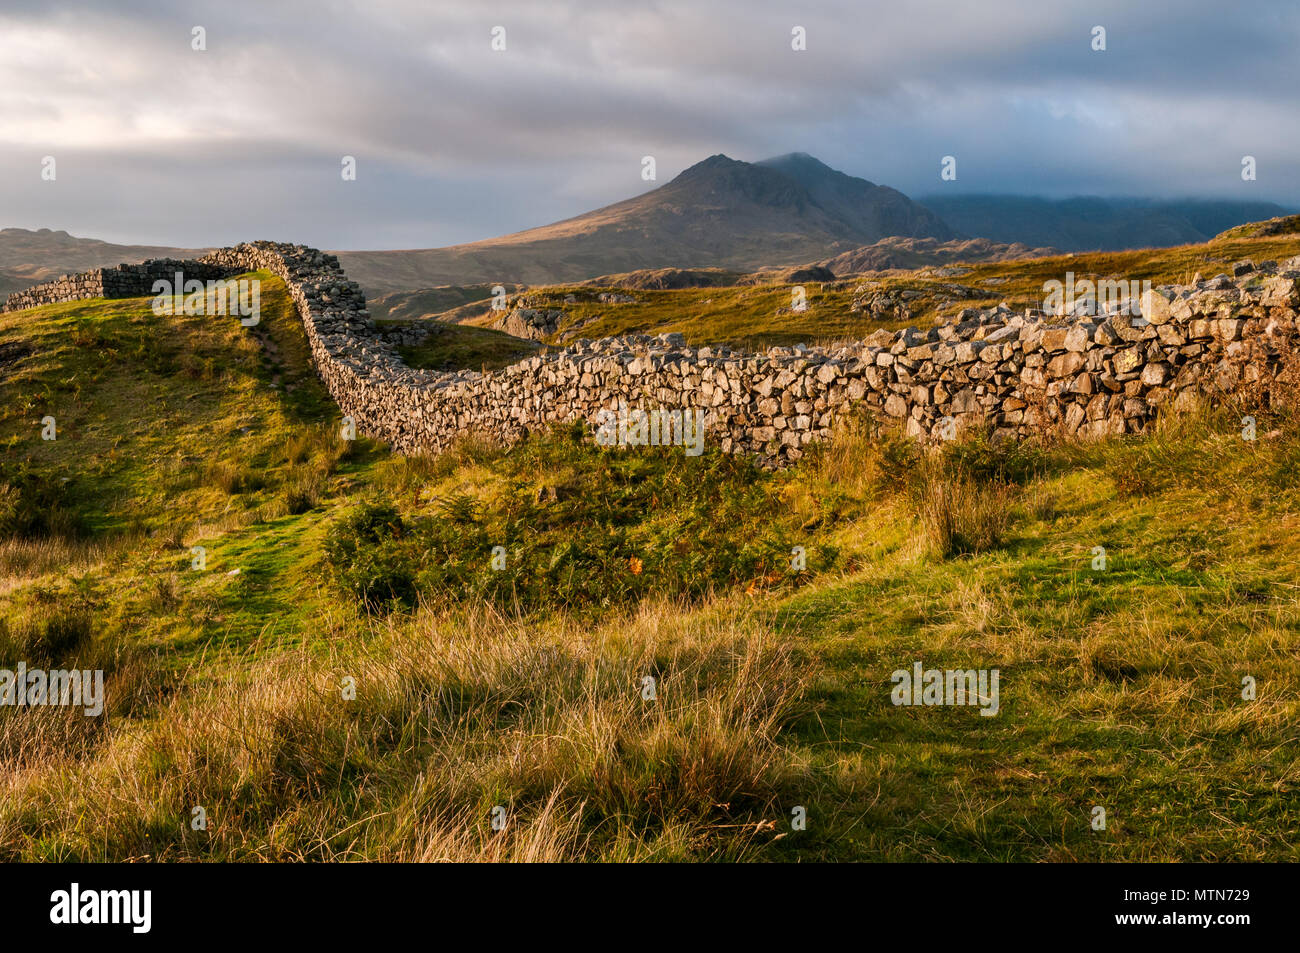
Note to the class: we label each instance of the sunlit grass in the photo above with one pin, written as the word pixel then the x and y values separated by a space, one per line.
pixel 1121 687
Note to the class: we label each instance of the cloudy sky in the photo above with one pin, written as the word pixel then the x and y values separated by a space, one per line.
pixel 156 142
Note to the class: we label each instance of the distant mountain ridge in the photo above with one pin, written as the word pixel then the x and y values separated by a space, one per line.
pixel 47 253
pixel 31 256
pixel 1089 223
pixel 863 207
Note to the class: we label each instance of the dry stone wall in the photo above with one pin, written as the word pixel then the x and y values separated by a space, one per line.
pixel 1011 374
pixel 124 281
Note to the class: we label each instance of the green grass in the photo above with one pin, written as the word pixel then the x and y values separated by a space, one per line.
pixel 1119 688
pixel 172 432
pixel 752 315
pixel 524 689
pixel 575 528
pixel 759 316
pixel 454 347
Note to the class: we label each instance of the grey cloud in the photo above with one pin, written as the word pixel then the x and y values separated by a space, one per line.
pixel 158 143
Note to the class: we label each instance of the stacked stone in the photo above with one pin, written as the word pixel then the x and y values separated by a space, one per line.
pixel 67 288
pixel 409 335
pixel 124 281
pixel 133 281
pixel 1013 374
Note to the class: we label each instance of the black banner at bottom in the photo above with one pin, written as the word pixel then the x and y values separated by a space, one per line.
pixel 951 903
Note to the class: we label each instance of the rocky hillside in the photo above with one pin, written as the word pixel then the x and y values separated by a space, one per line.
pixel 890 254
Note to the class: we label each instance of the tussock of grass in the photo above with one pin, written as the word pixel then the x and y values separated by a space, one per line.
pixel 453 716
pixel 58 632
pixel 22 558
pixel 961 514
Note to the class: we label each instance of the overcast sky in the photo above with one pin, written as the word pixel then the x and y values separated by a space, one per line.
pixel 155 142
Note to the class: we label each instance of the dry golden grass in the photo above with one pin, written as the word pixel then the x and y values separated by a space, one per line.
pixel 22 559
pixel 454 714
pixel 961 514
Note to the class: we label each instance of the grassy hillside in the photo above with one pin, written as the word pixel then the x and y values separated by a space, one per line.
pixel 452 346
pixel 429 302
pixel 1282 225
pixel 335 565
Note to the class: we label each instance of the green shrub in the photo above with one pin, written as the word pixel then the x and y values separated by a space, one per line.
pixel 604 528
pixel 33 505
pixel 368 553
pixel 1003 461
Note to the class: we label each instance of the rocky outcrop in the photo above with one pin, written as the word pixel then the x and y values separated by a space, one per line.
pixel 1014 374
pixel 898 252
pixel 535 324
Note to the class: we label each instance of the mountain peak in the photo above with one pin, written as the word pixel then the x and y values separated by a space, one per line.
pixel 723 212
pixel 722 181
pixel 809 170
pixel 720 212
pixel 712 165
pixel 794 159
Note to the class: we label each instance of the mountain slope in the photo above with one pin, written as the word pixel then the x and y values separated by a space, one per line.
pixel 875 211
pixel 718 213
